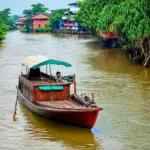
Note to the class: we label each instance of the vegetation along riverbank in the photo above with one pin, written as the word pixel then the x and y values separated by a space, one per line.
pixel 6 23
pixel 130 20
pixel 123 23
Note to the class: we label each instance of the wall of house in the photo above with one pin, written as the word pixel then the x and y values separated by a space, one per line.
pixel 68 23
pixel 39 23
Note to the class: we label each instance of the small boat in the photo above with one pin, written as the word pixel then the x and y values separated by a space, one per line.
pixel 42 95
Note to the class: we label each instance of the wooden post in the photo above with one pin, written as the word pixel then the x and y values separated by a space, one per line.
pixel 46 69
pixel 93 97
pixel 51 82
pixel 75 89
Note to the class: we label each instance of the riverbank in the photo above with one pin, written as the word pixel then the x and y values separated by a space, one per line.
pixel 74 32
pixel 136 54
pixel 46 30
pixel 132 53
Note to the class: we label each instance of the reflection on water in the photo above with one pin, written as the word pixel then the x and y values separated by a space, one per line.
pixel 70 136
pixel 78 37
pixel 1 46
pixel 115 61
pixel 120 87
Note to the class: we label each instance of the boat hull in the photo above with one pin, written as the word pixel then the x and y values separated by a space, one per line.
pixel 83 117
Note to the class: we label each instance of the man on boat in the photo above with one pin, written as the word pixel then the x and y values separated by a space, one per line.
pixel 58 77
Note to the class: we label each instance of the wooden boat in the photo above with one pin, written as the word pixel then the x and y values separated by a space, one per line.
pixel 40 93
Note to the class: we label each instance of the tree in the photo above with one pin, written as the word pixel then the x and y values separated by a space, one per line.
pixel 130 18
pixel 39 9
pixel 6 19
pixel 5 23
pixel 28 13
pixel 14 18
pixel 3 31
pixel 88 14
pixel 55 19
pixel 35 10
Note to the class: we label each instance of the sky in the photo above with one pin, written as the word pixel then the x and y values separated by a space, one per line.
pixel 17 6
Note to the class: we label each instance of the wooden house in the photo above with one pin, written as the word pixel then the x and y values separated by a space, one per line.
pixel 20 24
pixel 39 21
pixel 69 18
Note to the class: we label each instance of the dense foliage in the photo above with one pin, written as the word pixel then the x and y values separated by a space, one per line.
pixel 6 23
pixel 46 29
pixel 55 18
pixel 14 18
pixel 6 19
pixel 130 18
pixel 3 31
pixel 34 10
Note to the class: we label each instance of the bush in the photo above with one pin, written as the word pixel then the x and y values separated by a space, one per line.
pixel 3 31
pixel 42 30
pixel 24 30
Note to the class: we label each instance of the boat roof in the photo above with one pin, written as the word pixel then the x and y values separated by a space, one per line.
pixel 40 60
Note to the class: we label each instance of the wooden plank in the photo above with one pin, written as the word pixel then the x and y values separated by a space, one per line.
pixel 64 105
pixel 70 103
pixel 57 95
pixel 35 94
pixel 58 104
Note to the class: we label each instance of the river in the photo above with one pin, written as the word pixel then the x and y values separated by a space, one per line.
pixel 121 87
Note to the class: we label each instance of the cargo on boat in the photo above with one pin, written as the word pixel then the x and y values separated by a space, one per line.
pixel 42 94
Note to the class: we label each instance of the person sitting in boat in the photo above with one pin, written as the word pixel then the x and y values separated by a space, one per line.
pixel 58 77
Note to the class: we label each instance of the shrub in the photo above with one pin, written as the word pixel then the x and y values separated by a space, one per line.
pixel 24 30
pixel 42 30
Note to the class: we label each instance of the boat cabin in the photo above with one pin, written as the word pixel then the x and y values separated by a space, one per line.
pixel 38 86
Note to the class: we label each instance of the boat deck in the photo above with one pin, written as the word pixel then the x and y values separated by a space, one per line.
pixel 65 104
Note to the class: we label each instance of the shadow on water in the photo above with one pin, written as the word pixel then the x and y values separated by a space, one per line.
pixel 114 61
pixel 95 44
pixel 2 46
pixel 71 136
pixel 70 36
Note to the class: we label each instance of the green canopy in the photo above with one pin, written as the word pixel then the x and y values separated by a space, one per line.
pixel 52 62
pixel 38 61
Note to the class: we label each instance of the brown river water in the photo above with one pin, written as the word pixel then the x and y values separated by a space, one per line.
pixel 121 88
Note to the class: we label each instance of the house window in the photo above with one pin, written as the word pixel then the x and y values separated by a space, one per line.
pixel 39 26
